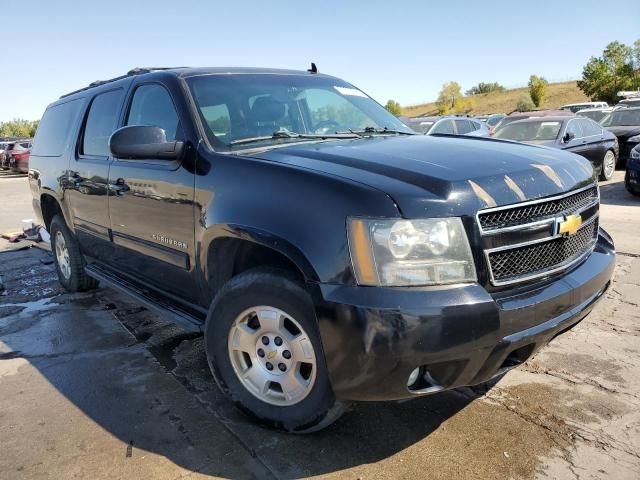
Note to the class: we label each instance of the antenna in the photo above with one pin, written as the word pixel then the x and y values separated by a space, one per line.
pixel 313 68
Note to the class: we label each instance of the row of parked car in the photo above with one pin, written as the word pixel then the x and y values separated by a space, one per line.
pixel 606 136
pixel 14 155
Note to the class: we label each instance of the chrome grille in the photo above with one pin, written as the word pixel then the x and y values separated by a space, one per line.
pixel 523 241
pixel 541 257
pixel 535 211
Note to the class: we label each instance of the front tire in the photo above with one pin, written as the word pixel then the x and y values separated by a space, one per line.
pixel 264 350
pixel 68 259
pixel 608 166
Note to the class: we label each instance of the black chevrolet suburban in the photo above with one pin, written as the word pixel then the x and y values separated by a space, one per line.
pixel 329 253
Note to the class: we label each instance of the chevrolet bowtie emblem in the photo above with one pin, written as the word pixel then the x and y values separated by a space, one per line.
pixel 271 354
pixel 570 225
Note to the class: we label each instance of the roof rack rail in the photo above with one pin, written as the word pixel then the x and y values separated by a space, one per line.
pixel 133 71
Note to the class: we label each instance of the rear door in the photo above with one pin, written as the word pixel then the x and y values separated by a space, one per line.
pixel 594 137
pixel 86 182
pixel 152 211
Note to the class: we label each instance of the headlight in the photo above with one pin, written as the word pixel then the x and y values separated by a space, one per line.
pixel 634 139
pixel 392 252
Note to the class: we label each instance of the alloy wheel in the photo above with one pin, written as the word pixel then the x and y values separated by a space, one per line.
pixel 272 356
pixel 62 255
pixel 609 164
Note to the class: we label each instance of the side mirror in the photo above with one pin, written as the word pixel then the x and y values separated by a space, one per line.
pixel 568 137
pixel 144 142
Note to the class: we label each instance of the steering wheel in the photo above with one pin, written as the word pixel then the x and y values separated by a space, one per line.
pixel 325 124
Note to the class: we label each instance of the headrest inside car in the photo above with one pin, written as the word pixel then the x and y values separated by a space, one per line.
pixel 266 109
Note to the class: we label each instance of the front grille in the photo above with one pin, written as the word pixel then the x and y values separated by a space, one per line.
pixel 538 258
pixel 514 216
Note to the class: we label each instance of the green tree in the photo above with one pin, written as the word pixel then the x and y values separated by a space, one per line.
pixel 537 89
pixel 483 87
pixel 394 107
pixel 19 128
pixel 525 104
pixel 617 69
pixel 449 97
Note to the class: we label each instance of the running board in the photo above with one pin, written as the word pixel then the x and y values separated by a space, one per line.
pixel 146 298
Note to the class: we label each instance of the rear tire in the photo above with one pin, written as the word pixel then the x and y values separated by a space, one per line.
pixel 260 334
pixel 608 166
pixel 68 259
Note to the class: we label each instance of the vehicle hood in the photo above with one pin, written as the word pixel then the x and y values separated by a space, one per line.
pixel 625 132
pixel 443 176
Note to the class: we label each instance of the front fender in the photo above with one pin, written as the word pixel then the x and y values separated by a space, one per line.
pixel 298 212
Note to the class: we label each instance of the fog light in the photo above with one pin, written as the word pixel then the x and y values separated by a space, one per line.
pixel 413 377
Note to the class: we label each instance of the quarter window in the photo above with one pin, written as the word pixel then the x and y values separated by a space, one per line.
pixel 152 105
pixel 101 122
pixel 54 128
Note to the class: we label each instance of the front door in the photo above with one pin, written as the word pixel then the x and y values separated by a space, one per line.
pixel 152 210
pixel 86 181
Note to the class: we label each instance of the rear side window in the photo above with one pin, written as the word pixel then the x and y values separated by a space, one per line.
pixel 445 126
pixel 152 105
pixel 575 129
pixel 102 120
pixel 54 127
pixel 590 128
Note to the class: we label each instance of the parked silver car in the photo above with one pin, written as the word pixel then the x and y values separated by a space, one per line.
pixel 449 126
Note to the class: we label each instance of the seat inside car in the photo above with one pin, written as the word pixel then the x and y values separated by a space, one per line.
pixel 265 115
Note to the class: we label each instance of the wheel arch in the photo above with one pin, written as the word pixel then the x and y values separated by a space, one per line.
pixel 232 249
pixel 50 206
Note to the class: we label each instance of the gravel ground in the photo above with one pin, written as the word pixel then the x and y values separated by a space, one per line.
pixel 95 386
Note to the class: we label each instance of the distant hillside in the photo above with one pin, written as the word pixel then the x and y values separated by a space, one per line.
pixel 505 102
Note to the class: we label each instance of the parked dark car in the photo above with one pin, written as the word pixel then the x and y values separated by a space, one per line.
pixel 329 253
pixel 632 176
pixel 4 147
pixel 596 114
pixel 515 116
pixel 449 126
pixel 624 124
pixel 575 134
pixel 4 157
pixel 19 157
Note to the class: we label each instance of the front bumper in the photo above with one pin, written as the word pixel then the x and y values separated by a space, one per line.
pixel 373 338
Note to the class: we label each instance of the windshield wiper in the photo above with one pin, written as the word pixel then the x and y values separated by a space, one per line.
pixel 379 131
pixel 287 134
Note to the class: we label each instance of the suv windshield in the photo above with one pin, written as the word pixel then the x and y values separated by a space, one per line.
pixel 621 118
pixel 243 111
pixel 529 131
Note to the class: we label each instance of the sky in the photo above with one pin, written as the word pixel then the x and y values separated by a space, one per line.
pixel 401 50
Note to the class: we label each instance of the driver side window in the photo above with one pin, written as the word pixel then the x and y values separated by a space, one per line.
pixel 152 105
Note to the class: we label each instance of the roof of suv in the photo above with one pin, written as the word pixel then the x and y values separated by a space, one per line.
pixel 185 72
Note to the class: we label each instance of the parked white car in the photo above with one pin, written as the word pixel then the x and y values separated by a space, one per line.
pixel 576 107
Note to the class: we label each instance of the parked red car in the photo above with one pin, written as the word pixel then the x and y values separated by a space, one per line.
pixel 19 157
